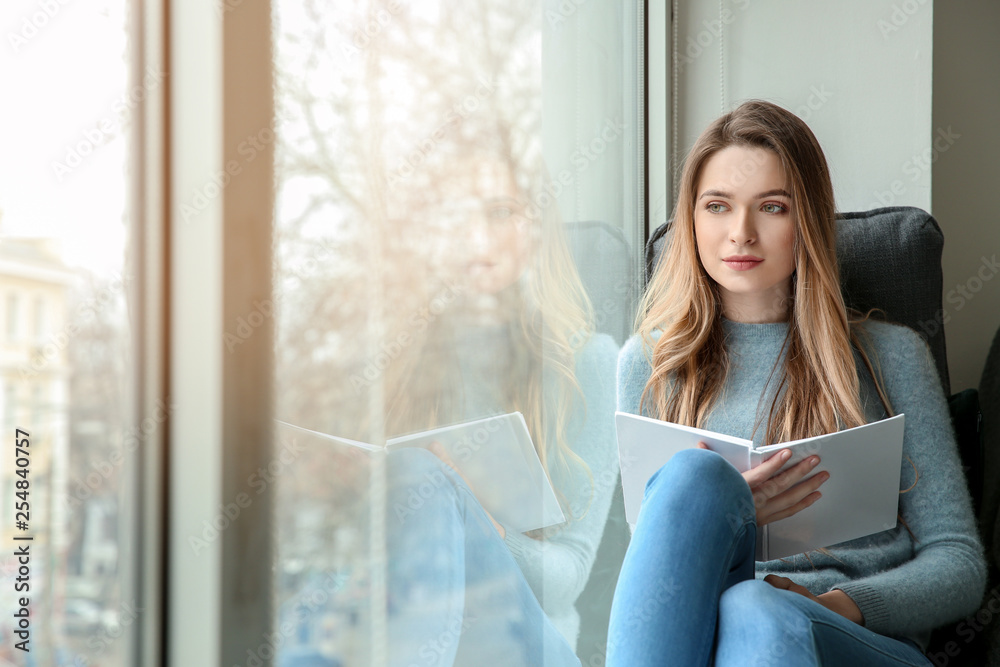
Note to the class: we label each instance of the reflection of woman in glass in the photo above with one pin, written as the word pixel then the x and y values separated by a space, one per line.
pixel 744 331
pixel 518 337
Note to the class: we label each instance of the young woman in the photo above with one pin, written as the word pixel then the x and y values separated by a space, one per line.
pixel 516 333
pixel 743 330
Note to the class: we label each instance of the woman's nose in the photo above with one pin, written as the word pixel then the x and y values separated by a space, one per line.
pixel 479 232
pixel 742 231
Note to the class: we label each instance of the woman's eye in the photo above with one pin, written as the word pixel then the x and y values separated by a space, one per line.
pixel 773 208
pixel 500 213
pixel 716 208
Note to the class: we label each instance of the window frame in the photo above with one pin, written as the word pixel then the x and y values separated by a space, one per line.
pixel 192 276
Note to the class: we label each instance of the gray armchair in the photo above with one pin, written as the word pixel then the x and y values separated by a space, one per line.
pixel 989 511
pixel 890 259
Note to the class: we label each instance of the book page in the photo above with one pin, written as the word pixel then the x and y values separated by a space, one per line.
pixel 497 457
pixel 860 498
pixel 293 432
pixel 645 445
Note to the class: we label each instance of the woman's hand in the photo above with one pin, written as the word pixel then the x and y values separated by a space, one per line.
pixel 777 495
pixel 438 450
pixel 836 601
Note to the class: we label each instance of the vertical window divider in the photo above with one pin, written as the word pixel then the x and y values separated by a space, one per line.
pixel 148 258
pixel 220 340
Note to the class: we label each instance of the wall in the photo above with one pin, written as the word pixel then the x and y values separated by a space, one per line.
pixel 904 99
pixel 967 100
pixel 858 72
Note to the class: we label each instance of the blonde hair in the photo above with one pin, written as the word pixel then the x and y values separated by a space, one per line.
pixel 549 319
pixel 689 360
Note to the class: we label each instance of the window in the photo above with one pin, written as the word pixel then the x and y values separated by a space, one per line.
pixel 13 317
pixel 459 205
pixel 40 319
pixel 455 168
pixel 63 185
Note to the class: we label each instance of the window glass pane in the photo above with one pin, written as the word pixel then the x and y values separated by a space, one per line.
pixel 13 317
pixel 458 219
pixel 65 356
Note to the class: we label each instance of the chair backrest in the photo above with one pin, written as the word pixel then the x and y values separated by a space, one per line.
pixel 890 259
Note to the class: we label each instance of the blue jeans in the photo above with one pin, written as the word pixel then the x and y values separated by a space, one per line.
pixel 456 594
pixel 687 595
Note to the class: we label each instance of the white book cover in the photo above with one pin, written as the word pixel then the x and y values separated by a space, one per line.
pixel 860 498
pixel 496 456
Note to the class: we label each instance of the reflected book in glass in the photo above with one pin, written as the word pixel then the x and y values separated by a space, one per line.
pixel 860 498
pixel 496 457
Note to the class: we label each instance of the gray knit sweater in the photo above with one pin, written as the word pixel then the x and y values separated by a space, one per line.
pixel 905 585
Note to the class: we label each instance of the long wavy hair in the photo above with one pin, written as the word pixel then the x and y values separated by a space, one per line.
pixel 689 360
pixel 546 317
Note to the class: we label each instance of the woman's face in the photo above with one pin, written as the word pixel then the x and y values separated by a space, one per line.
pixel 744 223
pixel 489 217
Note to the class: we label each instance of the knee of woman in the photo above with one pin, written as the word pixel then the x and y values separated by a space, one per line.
pixel 763 620
pixel 696 467
pixel 417 475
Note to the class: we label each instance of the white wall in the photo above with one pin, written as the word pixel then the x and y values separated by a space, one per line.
pixel 967 99
pixel 857 71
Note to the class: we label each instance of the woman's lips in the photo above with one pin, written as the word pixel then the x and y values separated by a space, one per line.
pixel 742 264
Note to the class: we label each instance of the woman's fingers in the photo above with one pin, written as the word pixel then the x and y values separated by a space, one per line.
pixel 757 476
pixel 775 485
pixel 791 501
pixel 783 494
pixel 439 451
pixel 786 584
pixel 794 509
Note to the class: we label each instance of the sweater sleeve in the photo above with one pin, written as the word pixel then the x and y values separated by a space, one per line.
pixel 946 577
pixel 633 374
pixel 557 568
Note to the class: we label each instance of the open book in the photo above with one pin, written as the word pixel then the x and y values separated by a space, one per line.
pixel 496 456
pixel 860 498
